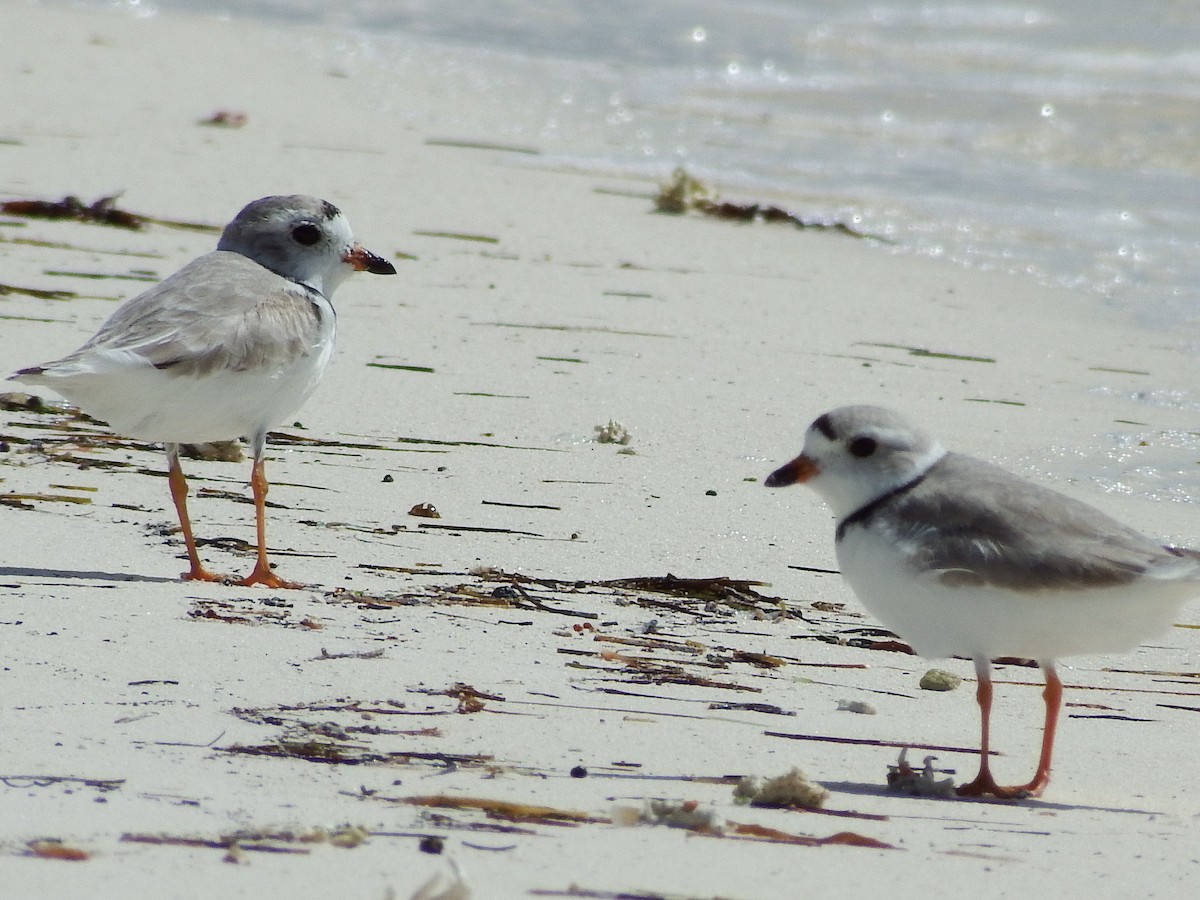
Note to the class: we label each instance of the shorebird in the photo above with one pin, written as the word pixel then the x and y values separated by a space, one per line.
pixel 227 347
pixel 960 557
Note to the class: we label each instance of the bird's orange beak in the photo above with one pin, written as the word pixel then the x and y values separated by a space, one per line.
pixel 798 471
pixel 363 260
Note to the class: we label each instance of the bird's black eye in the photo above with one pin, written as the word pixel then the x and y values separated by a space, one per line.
pixel 306 233
pixel 863 446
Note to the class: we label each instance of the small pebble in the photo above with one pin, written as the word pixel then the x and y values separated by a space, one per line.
pixel 431 843
pixel 939 680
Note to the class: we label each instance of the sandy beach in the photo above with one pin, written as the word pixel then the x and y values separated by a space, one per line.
pixel 501 690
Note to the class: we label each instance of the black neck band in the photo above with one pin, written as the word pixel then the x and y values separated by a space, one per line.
pixel 864 512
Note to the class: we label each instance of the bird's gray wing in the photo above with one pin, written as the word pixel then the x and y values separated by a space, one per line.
pixel 220 311
pixel 972 523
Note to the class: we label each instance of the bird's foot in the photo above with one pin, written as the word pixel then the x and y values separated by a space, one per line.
pixel 199 573
pixel 263 575
pixel 984 785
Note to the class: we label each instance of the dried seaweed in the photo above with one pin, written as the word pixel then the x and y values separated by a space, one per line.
pixel 224 118
pixel 261 841
pixel 702 820
pixel 37 293
pixel 718 588
pixel 700 598
pixel 24 501
pixel 345 753
pixel 519 505
pixel 102 211
pixel 841 838
pixel 506 810
pixel 275 715
pixel 359 654
pixel 53 848
pixel 684 193
pixel 767 708
pixel 26 781
pixel 649 671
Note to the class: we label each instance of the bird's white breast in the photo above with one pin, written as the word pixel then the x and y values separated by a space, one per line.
pixel 983 620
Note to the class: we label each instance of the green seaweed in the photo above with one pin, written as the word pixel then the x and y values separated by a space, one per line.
pixel 929 354
pixel 459 236
pixel 64 273
pixel 39 293
pixel 575 328
pixel 427 369
pixel 489 394
pixel 482 145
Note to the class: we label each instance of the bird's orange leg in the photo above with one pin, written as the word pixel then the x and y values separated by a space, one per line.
pixel 179 492
pixel 984 783
pixel 1053 697
pixel 262 573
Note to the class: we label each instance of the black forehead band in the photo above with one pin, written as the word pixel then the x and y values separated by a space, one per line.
pixel 825 426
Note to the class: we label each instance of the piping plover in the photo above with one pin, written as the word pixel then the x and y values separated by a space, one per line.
pixel 960 557
pixel 229 346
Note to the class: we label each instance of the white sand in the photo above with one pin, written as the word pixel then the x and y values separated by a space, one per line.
pixel 714 343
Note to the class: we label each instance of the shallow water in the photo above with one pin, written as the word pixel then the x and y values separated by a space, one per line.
pixel 1036 138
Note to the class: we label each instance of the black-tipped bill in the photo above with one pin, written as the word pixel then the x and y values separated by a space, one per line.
pixel 363 260
pixel 798 471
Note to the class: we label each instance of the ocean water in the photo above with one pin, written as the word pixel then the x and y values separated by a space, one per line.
pixel 1053 138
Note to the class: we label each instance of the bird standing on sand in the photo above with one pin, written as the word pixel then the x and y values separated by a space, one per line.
pixel 960 557
pixel 227 347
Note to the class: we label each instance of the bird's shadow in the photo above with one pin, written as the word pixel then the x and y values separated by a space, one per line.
pixel 25 572
pixel 873 789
